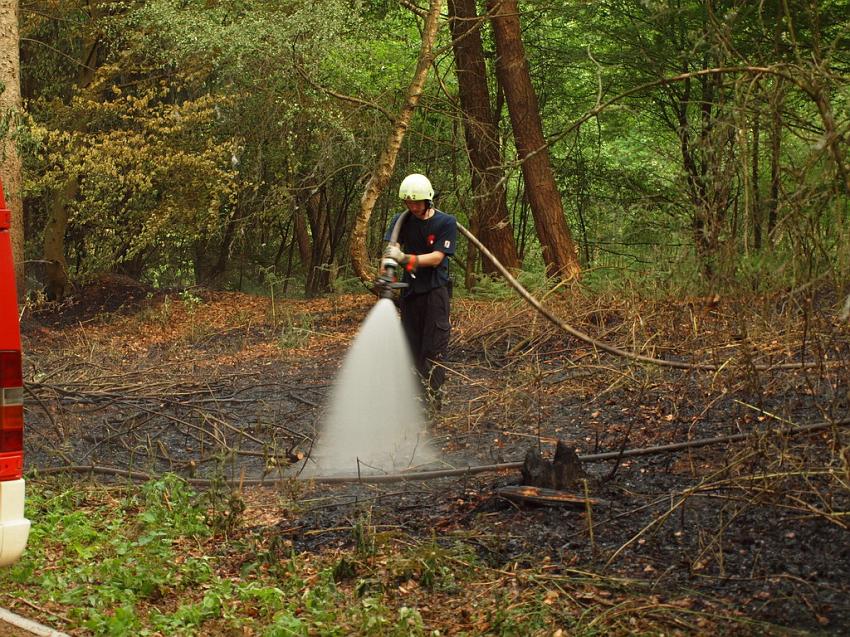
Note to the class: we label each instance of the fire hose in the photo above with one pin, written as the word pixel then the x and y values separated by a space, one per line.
pixel 384 286
pixel 572 331
pixel 469 470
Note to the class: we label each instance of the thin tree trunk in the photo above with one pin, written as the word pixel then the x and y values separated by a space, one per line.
pixel 775 159
pixel 482 139
pixel 219 267
pixel 755 188
pixel 317 214
pixel 386 162
pixel 289 259
pixel 559 250
pixel 53 247
pixel 10 104
pixel 302 238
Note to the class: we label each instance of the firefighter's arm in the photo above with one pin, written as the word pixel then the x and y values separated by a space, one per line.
pixel 413 261
pixel 430 260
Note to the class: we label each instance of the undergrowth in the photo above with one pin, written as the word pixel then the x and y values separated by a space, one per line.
pixel 152 560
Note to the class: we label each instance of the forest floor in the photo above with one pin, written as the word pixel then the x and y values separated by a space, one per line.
pixel 742 537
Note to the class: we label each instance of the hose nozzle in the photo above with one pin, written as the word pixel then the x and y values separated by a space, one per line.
pixel 387 282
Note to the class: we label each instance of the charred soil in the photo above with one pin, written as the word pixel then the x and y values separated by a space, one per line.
pixel 225 386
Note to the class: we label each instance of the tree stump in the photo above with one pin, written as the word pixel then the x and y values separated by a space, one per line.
pixel 567 467
pixel 537 472
pixel 563 473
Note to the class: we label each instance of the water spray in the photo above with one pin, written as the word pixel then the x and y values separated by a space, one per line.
pixel 374 421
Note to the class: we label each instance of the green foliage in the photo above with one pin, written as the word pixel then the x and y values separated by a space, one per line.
pixel 223 507
pixel 365 539
pixel 192 132
pixel 191 301
pixel 511 620
pixel 295 330
pixel 431 565
pixel 151 176
pixel 212 142
pixel 171 507
pixel 109 556
pixel 499 289
pixel 140 560
pixel 188 618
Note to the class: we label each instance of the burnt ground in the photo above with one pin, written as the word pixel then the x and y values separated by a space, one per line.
pixel 222 385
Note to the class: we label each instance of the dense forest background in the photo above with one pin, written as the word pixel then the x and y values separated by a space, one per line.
pixel 694 145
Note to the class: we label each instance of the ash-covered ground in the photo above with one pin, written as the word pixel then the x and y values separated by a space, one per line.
pixel 218 386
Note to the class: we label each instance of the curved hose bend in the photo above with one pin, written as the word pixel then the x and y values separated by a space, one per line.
pixel 397 227
pixel 569 329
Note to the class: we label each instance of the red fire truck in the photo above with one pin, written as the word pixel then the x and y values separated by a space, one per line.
pixel 14 527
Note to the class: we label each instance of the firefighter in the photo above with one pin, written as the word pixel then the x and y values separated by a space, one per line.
pixel 426 240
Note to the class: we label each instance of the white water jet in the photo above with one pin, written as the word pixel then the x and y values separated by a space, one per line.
pixel 374 422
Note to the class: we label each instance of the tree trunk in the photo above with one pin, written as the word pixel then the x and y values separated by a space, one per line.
pixel 302 238
pixel 755 187
pixel 386 162
pixel 559 251
pixel 777 103
pixel 53 247
pixel 482 140
pixel 225 250
pixel 10 104
pixel 317 280
pixel 708 164
pixel 53 238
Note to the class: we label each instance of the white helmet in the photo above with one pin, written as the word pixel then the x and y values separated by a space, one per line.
pixel 416 187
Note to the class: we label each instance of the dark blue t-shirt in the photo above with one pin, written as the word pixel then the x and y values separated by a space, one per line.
pixel 423 237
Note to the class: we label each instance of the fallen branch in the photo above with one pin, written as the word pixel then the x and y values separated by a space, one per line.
pixel 446 473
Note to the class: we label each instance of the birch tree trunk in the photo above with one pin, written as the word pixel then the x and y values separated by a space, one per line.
pixel 559 250
pixel 10 106
pixel 386 162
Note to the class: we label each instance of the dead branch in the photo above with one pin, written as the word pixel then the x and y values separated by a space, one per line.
pixel 461 471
